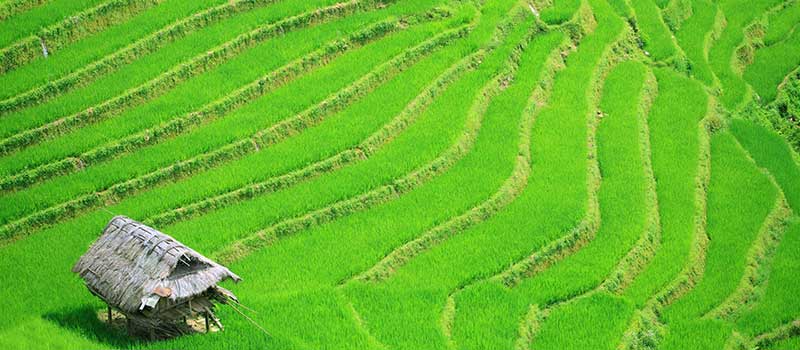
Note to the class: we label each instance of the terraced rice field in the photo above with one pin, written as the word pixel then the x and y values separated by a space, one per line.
pixel 427 174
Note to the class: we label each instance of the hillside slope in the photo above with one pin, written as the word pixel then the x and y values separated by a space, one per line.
pixel 428 174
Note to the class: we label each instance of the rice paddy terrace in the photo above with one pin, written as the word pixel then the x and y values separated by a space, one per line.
pixel 427 174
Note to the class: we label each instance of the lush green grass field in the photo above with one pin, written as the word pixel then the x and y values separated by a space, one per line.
pixel 395 174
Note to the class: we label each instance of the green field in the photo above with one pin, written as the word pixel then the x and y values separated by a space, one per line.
pixel 426 174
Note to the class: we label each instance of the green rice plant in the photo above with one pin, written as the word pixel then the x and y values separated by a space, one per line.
pixel 418 139
pixel 675 150
pixel 493 243
pixel 788 344
pixel 694 38
pixel 759 259
pixel 293 150
pixel 663 3
pixel 117 82
pixel 640 256
pixel 214 109
pixel 724 55
pixel 784 111
pixel 732 228
pixel 676 13
pixel 510 188
pixel 624 219
pixel 658 41
pixel 13 7
pixel 63 33
pixel 622 8
pixel 776 306
pixel 576 78
pixel 168 80
pixel 772 64
pixel 172 156
pixel 316 141
pixel 420 134
pixel 771 152
pixel 356 153
pixel 387 309
pixel 253 138
pixel 398 185
pixel 38 333
pixel 139 72
pixel 782 24
pixel 682 206
pixel 29 21
pixel 580 24
pixel 435 174
pixel 94 47
pixel 560 11
pixel 777 337
pixel 256 164
pixel 619 117
pixel 393 211
pixel 593 322
pixel 128 54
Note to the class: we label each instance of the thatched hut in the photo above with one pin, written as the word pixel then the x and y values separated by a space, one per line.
pixel 154 280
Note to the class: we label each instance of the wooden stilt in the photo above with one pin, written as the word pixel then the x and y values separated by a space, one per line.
pixel 206 314
pixel 109 314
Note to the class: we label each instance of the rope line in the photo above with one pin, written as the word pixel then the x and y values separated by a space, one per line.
pixel 250 319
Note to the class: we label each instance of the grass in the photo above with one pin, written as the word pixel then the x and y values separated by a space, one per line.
pixel 777 306
pixel 326 138
pixel 781 24
pixel 93 49
pixel 218 101
pixel 436 174
pixel 723 56
pixel 693 38
pixel 129 76
pixel 144 207
pixel 497 122
pixel 788 344
pixel 732 228
pixel 623 212
pixel 236 92
pixel 238 125
pixel 654 33
pixel 25 23
pixel 151 86
pixel 771 152
pixel 74 28
pixel 9 8
pixel 622 8
pixel 675 151
pixel 560 11
pixel 554 201
pixel 594 322
pixel 772 64
pixel 621 196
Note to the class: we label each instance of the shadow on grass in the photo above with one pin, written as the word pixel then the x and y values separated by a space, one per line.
pixel 89 322
pixel 85 322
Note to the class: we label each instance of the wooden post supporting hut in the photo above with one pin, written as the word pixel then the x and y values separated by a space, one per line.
pixel 153 279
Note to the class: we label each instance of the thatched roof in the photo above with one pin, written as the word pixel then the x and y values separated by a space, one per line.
pixel 132 265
